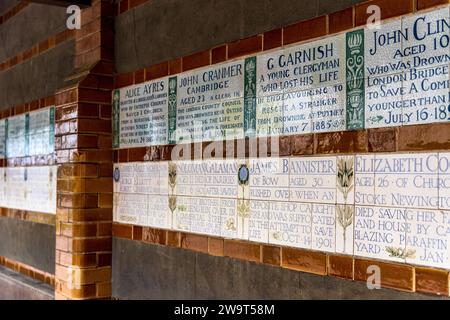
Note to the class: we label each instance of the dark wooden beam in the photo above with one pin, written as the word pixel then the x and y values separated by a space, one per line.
pixel 65 3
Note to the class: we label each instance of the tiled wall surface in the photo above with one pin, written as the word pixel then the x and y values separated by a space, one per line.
pixel 328 206
pixel 382 206
pixel 27 140
pixel 395 74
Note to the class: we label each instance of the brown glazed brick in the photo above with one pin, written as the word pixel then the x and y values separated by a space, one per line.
pixel 139 76
pixel 175 66
pixel 137 154
pixel 432 281
pixel 273 39
pixel 156 236
pixel 302 144
pixel 242 250
pixel 135 3
pixel 341 142
pixel 424 137
pixel 137 233
pixel 423 4
pixel 219 54
pixel 340 21
pixel 122 231
pixel 340 266
pixel 197 60
pixel 271 255
pixel 305 30
pixel 123 155
pixel 304 260
pixel 123 80
pixel 382 139
pixel 194 242
pixel 215 246
pixel 157 71
pixel 173 238
pixel 389 9
pixel 245 47
pixel 394 276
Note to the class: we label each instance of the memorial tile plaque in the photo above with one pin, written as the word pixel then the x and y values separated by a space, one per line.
pixel 211 100
pixel 16 190
pixel 407 180
pixel 159 215
pixel 205 216
pixel 41 132
pixel 2 139
pixel 140 115
pixel 313 179
pixel 40 189
pixel 290 224
pixel 380 233
pixel 130 208
pixel 16 136
pixel 3 202
pixel 146 178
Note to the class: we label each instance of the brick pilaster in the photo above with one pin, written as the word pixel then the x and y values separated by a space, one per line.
pixel 84 157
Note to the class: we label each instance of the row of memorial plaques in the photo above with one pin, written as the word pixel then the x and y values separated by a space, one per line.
pixel 394 207
pixel 389 75
pixel 29 188
pixel 29 134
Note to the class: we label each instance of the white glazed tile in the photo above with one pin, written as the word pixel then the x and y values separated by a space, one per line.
pixel 345 223
pixel 146 178
pixel 16 136
pixel 323 227
pixel 258 221
pixel 427 97
pixel 407 180
pixel 163 167
pixel 230 220
pixel 270 74
pixel 384 105
pixel 364 180
pixel 159 214
pixel 424 29
pixel 269 179
pixel 131 208
pixel 231 124
pixel 313 179
pixel 2 187
pixel 124 181
pixel 328 112
pixel 381 49
pixel 345 179
pixel 380 233
pixel 2 139
pixel 269 115
pixel 428 238
pixel 297 113
pixel 290 224
pixel 205 216
pixel 444 181
pixel 181 216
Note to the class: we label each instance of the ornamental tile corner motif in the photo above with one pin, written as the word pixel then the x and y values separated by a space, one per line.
pixel 116 119
pixel 355 102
